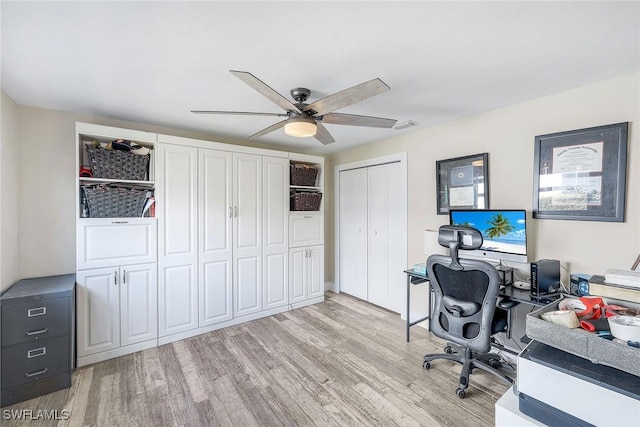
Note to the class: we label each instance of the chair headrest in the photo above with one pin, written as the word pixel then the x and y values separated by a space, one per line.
pixel 467 238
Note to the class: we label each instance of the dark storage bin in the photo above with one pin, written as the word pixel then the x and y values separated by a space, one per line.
pixel 106 201
pixel 117 164
pixel 301 201
pixel 303 175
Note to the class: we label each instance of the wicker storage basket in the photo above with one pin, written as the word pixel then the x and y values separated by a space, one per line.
pixel 106 201
pixel 305 201
pixel 303 175
pixel 117 164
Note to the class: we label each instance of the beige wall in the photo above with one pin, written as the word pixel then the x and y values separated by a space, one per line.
pixel 9 268
pixel 507 134
pixel 47 184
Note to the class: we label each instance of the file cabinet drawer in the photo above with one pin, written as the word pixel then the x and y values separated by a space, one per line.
pixel 33 361
pixel 35 320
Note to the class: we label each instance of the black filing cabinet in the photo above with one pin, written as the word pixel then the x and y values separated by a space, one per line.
pixel 38 331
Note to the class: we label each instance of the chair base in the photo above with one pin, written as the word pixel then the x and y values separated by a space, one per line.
pixel 470 360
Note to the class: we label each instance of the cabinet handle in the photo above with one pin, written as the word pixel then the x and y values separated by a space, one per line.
pixel 124 277
pixel 230 212
pixel 308 217
pixel 36 352
pixel 33 312
pixel 119 222
pixel 32 333
pixel 33 374
pixel 235 211
pixel 115 277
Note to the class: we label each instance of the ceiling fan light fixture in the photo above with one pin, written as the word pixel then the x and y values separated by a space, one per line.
pixel 300 127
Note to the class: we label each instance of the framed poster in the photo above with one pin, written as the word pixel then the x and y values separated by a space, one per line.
pixel 463 183
pixel 581 174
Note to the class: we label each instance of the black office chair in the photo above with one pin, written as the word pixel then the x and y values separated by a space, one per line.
pixel 466 312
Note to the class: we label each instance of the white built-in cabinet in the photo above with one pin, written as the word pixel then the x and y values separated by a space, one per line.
pixel 219 250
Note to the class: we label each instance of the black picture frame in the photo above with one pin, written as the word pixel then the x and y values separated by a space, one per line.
pixel 462 183
pixel 581 174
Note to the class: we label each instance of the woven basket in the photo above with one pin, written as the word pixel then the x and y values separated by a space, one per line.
pixel 303 175
pixel 117 164
pixel 106 201
pixel 305 201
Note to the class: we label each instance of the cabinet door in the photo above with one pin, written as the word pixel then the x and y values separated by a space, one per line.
pixel 215 217
pixel 138 303
pixel 315 271
pixel 98 301
pixel 178 249
pixel 274 235
pixel 306 230
pixel 297 274
pixel 353 233
pixel 107 242
pixel 247 233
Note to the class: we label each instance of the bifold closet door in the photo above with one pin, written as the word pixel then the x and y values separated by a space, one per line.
pixel 387 228
pixel 353 232
pixel 215 218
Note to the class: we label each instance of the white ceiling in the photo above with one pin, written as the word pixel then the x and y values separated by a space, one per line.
pixel 153 62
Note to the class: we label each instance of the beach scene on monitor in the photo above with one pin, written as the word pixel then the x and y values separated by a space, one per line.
pixel 502 231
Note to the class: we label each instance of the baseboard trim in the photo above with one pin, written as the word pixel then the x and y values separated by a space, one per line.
pixel 116 352
pixel 330 286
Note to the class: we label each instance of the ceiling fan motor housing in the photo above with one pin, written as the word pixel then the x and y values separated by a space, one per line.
pixel 300 94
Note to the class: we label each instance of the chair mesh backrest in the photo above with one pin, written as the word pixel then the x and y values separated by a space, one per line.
pixel 477 283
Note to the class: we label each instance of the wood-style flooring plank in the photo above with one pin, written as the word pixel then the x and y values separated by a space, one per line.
pixel 342 362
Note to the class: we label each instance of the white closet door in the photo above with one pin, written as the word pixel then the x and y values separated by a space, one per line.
pixel 247 233
pixel 274 236
pixel 353 232
pixel 386 218
pixel 215 218
pixel 178 249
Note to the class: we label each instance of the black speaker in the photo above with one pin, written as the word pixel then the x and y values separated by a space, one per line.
pixel 545 277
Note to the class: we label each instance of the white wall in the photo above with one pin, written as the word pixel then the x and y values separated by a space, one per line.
pixel 507 134
pixel 9 267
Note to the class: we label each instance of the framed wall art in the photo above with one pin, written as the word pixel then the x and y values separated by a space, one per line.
pixel 581 174
pixel 463 183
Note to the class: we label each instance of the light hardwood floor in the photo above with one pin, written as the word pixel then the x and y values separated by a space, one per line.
pixel 339 363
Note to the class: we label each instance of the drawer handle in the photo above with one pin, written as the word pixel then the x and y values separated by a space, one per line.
pixel 33 374
pixel 36 352
pixel 41 331
pixel 119 222
pixel 33 312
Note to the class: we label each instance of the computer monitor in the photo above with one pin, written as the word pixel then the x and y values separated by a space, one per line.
pixel 504 232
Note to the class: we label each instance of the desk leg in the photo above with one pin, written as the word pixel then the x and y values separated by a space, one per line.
pixel 408 304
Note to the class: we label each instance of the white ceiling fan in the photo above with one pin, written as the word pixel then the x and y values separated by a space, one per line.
pixel 304 120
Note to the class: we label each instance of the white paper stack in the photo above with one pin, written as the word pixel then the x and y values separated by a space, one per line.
pixel 628 278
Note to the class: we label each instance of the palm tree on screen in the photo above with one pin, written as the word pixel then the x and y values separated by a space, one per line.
pixel 500 226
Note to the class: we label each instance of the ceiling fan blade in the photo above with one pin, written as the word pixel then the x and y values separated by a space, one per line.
pixel 241 113
pixel 265 90
pixel 347 97
pixel 269 129
pixel 354 120
pixel 323 135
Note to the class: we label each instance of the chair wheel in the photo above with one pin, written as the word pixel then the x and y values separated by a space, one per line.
pixel 461 393
pixel 426 365
pixel 448 349
pixel 494 363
